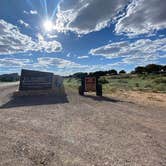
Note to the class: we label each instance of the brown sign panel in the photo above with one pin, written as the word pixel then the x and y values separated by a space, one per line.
pixel 35 80
pixel 90 84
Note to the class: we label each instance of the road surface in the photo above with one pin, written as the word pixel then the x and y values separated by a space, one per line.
pixel 79 131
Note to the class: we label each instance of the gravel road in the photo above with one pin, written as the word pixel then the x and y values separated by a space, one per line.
pixel 79 131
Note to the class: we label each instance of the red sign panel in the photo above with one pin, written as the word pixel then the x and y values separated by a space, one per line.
pixel 90 84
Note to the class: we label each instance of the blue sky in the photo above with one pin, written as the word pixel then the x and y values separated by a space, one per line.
pixel 68 36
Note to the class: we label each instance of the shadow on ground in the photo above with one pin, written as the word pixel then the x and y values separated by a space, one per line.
pixel 102 98
pixel 34 100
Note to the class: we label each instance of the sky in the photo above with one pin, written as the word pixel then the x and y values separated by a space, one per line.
pixel 69 36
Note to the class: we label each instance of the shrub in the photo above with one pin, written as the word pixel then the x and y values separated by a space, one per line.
pixel 103 80
pixel 160 88
pixel 140 70
pixel 112 72
pixel 122 72
pixel 148 86
pixel 123 81
pixel 160 80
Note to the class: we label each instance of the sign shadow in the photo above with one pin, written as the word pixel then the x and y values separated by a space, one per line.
pixel 102 98
pixel 20 101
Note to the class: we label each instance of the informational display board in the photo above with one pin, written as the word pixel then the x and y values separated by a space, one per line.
pixel 90 84
pixel 35 80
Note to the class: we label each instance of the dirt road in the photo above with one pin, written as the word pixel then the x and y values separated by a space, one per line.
pixel 80 131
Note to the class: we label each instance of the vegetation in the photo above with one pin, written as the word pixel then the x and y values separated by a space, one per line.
pixel 145 78
pixel 72 82
pixel 122 72
pixel 149 78
pixel 151 83
pixel 149 69
pixel 9 77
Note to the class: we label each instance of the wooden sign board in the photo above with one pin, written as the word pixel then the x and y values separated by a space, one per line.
pixel 35 80
pixel 90 84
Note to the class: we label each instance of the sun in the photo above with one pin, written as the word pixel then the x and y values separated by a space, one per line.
pixel 48 25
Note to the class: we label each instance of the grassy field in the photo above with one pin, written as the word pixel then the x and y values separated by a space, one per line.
pixel 150 83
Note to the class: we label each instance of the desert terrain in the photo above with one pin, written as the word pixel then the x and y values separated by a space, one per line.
pixel 126 129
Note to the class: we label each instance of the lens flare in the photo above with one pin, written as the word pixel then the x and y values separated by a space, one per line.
pixel 48 25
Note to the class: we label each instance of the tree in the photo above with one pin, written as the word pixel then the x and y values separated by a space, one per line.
pixel 80 75
pixel 98 73
pixel 132 72
pixel 163 68
pixel 112 72
pixel 140 70
pixel 153 68
pixel 122 72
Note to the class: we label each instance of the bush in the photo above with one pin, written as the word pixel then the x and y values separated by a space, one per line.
pixel 123 81
pixel 160 80
pixel 153 68
pixel 148 86
pixel 160 88
pixel 122 72
pixel 140 70
pixel 103 80
pixel 112 72
pixel 144 76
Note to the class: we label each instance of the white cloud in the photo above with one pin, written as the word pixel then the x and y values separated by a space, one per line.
pixel 133 52
pixel 33 12
pixel 70 67
pixel 68 55
pixel 24 23
pixel 51 36
pixel 112 50
pixel 13 62
pixel 57 62
pixel 83 57
pixel 140 60
pixel 57 65
pixel 25 12
pixel 66 67
pixel 13 41
pixel 48 46
pixel 84 16
pixel 143 16
pixel 161 36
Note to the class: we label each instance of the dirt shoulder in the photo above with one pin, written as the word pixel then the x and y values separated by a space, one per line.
pixel 142 98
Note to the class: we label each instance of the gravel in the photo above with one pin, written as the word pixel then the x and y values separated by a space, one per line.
pixel 79 131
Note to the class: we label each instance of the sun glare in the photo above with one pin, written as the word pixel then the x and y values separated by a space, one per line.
pixel 48 25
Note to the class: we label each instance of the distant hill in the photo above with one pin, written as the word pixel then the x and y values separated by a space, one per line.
pixel 9 77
